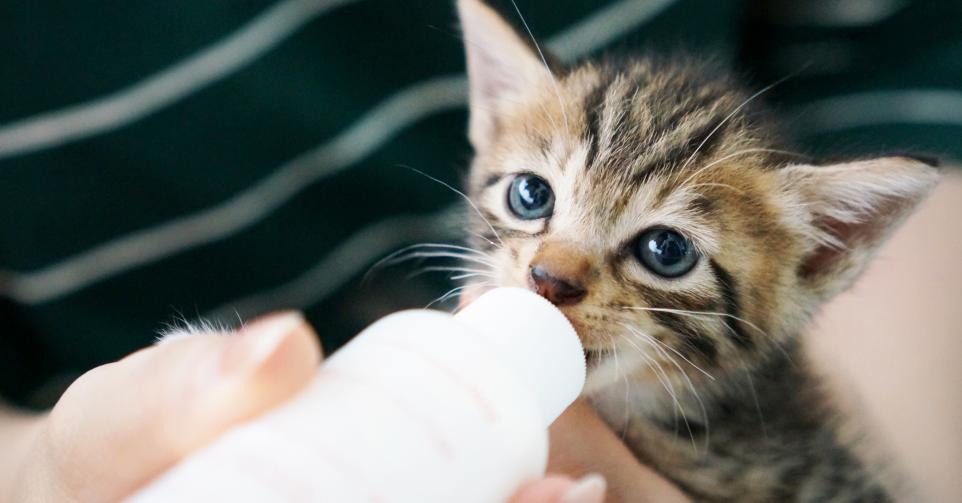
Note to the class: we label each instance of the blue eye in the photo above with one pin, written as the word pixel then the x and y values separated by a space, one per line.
pixel 666 252
pixel 530 197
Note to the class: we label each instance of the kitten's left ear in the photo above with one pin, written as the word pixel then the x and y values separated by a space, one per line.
pixel 502 67
pixel 849 210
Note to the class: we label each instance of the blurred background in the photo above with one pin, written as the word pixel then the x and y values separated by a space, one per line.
pixel 176 159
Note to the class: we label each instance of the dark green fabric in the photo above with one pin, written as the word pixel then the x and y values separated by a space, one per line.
pixel 199 151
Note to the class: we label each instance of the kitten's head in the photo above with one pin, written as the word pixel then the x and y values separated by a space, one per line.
pixel 653 202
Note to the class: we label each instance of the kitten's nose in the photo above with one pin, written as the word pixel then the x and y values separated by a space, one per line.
pixel 557 290
pixel 559 273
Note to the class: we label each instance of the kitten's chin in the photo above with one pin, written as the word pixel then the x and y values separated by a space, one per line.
pixel 605 370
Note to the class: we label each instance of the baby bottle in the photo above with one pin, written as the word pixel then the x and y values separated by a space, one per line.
pixel 421 407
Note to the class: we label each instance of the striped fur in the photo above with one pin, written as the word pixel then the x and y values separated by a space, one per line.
pixel 628 144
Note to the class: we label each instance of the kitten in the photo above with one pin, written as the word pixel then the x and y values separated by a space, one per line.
pixel 654 202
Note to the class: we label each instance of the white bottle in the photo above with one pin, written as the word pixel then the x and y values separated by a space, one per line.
pixel 421 407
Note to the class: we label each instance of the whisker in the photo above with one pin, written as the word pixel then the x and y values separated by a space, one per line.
pixel 454 291
pixel 437 254
pixel 650 340
pixel 660 374
pixel 736 154
pixel 644 355
pixel 483 284
pixel 449 269
pixel 459 277
pixel 624 430
pixel 486 240
pixel 758 407
pixel 444 245
pixel 445 296
pixel 463 195
pixel 666 383
pixel 701 405
pixel 624 377
pixel 544 60
pixel 463 273
pixel 684 312
pixel 778 345
pixel 722 185
pixel 732 114
pixel 437 246
pixel 675 351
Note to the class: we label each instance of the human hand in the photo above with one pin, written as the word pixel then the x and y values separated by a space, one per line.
pixel 122 424
pixel 581 442
pixel 562 489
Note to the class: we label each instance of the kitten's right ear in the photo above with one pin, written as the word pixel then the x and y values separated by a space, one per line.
pixel 851 209
pixel 502 67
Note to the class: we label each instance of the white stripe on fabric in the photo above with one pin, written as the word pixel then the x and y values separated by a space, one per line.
pixel 605 26
pixel 166 87
pixel 909 106
pixel 343 263
pixel 242 210
pixel 253 204
pixel 835 13
pixel 339 266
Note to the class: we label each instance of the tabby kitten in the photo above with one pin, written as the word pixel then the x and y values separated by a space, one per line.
pixel 654 202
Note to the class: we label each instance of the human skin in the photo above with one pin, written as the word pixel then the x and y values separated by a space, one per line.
pixel 887 349
pixel 122 424
pixel 890 346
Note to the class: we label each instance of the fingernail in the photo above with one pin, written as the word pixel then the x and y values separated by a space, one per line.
pixel 590 489
pixel 258 341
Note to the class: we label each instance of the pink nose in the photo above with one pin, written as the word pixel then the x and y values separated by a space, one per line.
pixel 559 291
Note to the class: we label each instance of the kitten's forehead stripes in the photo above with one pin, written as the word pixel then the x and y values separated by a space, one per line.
pixel 701 205
pixel 594 103
pixel 637 126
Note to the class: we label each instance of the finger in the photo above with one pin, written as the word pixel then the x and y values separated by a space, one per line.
pixel 558 489
pixel 582 442
pixel 468 295
pixel 547 490
pixel 128 421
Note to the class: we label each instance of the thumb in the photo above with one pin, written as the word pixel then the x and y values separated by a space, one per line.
pixel 128 421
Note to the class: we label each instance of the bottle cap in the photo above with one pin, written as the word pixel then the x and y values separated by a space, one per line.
pixel 535 341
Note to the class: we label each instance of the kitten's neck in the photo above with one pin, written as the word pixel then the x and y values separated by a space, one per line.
pixel 771 388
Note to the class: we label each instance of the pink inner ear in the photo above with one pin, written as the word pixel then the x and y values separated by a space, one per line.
pixel 825 256
pixel 868 232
